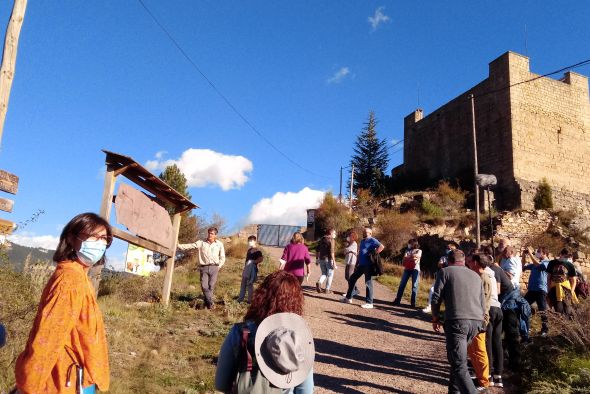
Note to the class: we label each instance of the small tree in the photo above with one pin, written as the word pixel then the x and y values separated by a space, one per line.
pixel 332 214
pixel 544 197
pixel 188 223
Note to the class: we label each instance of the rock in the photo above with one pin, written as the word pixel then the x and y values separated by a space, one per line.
pixel 579 255
pixel 154 352
pixel 133 354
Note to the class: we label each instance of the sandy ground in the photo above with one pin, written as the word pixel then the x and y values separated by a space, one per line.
pixel 384 350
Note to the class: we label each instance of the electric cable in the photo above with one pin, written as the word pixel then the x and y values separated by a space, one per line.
pixel 223 96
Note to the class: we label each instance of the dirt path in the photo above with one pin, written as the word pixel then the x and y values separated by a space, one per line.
pixel 384 350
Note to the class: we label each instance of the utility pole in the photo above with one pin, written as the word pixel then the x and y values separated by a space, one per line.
pixel 340 194
pixel 9 57
pixel 475 171
pixel 351 185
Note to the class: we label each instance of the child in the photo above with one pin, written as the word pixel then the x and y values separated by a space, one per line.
pixel 250 272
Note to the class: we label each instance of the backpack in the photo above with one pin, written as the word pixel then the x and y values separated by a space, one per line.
pixel 376 263
pixel 409 263
pixel 249 379
pixel 325 248
pixel 559 273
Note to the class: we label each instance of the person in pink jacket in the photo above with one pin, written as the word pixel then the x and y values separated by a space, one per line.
pixel 296 258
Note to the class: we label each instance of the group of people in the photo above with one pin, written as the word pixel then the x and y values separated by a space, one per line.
pixel 272 350
pixel 483 301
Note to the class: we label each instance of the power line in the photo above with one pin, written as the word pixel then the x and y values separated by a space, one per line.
pixel 220 94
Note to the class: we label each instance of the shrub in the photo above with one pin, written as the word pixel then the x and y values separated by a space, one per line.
pixel 132 288
pixel 237 247
pixel 543 198
pixel 451 196
pixel 395 229
pixel 566 217
pixel 332 214
pixel 431 210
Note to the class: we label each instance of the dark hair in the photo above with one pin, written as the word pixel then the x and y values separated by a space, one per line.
pixel 488 250
pixel 212 229
pixel 84 223
pixel 279 292
pixel 482 260
pixel 252 238
pixel 414 243
pixel 564 252
pixel 329 231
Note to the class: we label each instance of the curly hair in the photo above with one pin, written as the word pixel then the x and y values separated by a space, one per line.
pixel 279 292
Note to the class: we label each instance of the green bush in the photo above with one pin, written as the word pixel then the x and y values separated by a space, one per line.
pixel 132 288
pixel 395 229
pixel 237 248
pixel 543 198
pixel 431 210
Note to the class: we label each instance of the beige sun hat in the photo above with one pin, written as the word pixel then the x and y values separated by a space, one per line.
pixel 285 350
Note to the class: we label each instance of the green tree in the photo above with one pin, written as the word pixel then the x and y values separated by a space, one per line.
pixel 370 159
pixel 332 214
pixel 544 197
pixel 188 223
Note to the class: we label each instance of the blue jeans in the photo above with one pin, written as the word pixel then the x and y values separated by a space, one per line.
pixel 415 274
pixel 303 388
pixel 326 266
pixel 361 270
pixel 459 334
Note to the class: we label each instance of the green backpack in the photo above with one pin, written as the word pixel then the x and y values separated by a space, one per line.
pixel 250 380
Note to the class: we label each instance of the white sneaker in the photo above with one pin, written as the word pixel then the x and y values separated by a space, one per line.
pixel 346 300
pixel 367 306
pixel 428 309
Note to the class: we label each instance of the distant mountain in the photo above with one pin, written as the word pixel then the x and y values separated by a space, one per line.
pixel 17 254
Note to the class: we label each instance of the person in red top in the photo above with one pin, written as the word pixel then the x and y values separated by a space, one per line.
pixel 296 258
pixel 68 335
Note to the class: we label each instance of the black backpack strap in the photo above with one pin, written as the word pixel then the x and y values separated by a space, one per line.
pixel 246 362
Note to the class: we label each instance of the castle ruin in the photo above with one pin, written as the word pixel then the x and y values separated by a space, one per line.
pixel 526 132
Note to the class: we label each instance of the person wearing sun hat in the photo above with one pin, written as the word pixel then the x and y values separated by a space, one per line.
pixel 272 350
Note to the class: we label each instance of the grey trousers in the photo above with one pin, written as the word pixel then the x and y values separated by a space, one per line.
pixel 459 334
pixel 208 281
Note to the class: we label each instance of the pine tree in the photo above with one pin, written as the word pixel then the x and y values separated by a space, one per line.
pixel 188 223
pixel 370 159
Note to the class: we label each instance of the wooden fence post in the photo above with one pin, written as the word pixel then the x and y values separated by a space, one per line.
pixel 9 57
pixel 170 262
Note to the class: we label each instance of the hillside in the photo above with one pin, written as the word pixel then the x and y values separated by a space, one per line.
pixel 17 255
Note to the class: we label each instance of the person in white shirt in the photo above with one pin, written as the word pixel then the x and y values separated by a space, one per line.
pixel 512 265
pixel 211 256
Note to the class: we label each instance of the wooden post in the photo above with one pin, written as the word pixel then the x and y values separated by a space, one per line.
pixel 170 261
pixel 9 57
pixel 95 272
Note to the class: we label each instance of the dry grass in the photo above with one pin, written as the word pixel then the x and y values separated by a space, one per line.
pixel 391 278
pixel 560 363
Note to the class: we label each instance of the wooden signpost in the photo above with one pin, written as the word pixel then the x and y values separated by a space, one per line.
pixel 6 205
pixel 8 182
pixel 6 227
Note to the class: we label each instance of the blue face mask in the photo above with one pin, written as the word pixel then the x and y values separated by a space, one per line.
pixel 91 252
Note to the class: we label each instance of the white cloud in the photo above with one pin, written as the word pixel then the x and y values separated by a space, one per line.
pixel 203 167
pixel 339 75
pixel 379 18
pixel 159 155
pixel 34 241
pixel 286 208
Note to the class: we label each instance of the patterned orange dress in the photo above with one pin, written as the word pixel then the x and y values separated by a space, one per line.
pixel 68 330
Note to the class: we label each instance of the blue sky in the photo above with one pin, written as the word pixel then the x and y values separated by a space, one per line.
pixel 94 75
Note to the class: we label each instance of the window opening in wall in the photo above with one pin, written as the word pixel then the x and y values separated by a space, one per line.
pixel 558 134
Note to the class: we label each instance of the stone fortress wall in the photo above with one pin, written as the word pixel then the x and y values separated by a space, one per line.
pixel 533 130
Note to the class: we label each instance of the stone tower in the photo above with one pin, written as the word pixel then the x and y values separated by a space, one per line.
pixel 533 130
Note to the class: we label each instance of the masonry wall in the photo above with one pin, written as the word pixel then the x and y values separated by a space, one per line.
pixel 551 135
pixel 530 131
pixel 441 144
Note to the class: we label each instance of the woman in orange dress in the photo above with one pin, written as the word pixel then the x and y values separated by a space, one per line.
pixel 67 348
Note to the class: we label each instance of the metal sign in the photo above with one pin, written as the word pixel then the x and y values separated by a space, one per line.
pixel 8 182
pixel 6 204
pixel 6 227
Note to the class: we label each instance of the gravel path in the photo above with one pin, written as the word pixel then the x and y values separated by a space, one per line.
pixel 384 350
